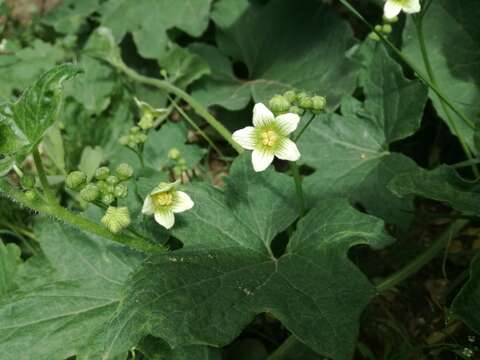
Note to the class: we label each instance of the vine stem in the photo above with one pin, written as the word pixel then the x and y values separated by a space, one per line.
pixel 170 88
pixel 418 21
pixel 77 221
pixel 43 177
pixel 288 346
pixel 424 79
pixel 300 133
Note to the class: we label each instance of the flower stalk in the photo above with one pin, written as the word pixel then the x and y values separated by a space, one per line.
pixel 43 177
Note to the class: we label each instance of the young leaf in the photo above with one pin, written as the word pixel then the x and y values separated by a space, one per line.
pixel 452 38
pixel 466 304
pixel 9 262
pixel 66 313
pixel 25 122
pixel 209 291
pixel 284 45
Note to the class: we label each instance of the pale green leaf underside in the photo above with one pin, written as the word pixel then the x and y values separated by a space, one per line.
pixel 209 291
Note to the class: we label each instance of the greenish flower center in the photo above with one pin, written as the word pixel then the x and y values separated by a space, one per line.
pixel 269 138
pixel 162 199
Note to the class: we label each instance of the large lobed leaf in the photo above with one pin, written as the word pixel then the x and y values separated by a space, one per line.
pixel 65 312
pixel 207 292
pixel 351 151
pixel 452 37
pixel 285 45
pixel 23 123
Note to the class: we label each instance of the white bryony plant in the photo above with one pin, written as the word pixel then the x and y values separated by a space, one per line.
pixel 268 137
pixel 393 7
pixel 164 201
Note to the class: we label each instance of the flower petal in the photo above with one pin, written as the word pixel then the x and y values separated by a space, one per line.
pixel 261 159
pixel 245 137
pixel 287 122
pixel 261 115
pixel 165 218
pixel 148 207
pixel 412 6
pixel 391 9
pixel 288 151
pixel 182 202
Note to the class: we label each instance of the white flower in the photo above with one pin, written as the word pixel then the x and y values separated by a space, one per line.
pixel 164 201
pixel 268 137
pixel 393 7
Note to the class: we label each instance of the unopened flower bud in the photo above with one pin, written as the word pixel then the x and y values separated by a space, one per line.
pixel 290 95
pixel 116 219
pixel 112 180
pixel 75 180
pixel 174 154
pixel 120 191
pixel 301 96
pixel 296 110
pixel 318 103
pixel 124 140
pixel 27 181
pixel 102 173
pixel 378 28
pixel 390 21
pixel 387 28
pixel 373 36
pixel 146 122
pixel 306 102
pixel 124 171
pixel 30 195
pixel 90 193
pixel 279 104
pixel 134 130
pixel 107 199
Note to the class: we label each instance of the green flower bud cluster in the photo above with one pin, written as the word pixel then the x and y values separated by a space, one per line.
pixel 180 163
pixel 105 187
pixel 135 137
pixel 384 29
pixel 297 103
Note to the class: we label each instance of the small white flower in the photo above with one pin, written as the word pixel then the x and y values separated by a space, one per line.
pixel 393 7
pixel 164 201
pixel 268 137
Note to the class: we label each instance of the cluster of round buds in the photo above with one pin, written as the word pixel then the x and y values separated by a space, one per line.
pixel 106 187
pixel 28 184
pixel 180 166
pixel 384 29
pixel 296 103
pixel 135 137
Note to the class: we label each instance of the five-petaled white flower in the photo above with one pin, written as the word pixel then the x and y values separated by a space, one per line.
pixel 393 7
pixel 268 137
pixel 164 201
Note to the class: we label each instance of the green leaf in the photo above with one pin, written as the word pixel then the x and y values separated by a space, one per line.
pixel 157 349
pixel 70 15
pixel 285 45
pixel 452 39
pixel 351 148
pixel 6 164
pixel 209 291
pixel 441 184
pixel 149 20
pixel 182 66
pixel 170 136
pixel 9 263
pixel 21 66
pixel 53 147
pixel 466 304
pixel 25 122
pixel 91 160
pixel 66 314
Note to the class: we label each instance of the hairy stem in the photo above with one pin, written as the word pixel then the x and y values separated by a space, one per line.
pixel 43 177
pixel 77 221
pixel 196 106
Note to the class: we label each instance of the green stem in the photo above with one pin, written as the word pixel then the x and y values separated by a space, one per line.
pixel 425 80
pixel 82 223
pixel 196 106
pixel 300 133
pixel 426 60
pixel 196 127
pixel 43 177
pixel 424 258
pixel 284 351
pixel 298 187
